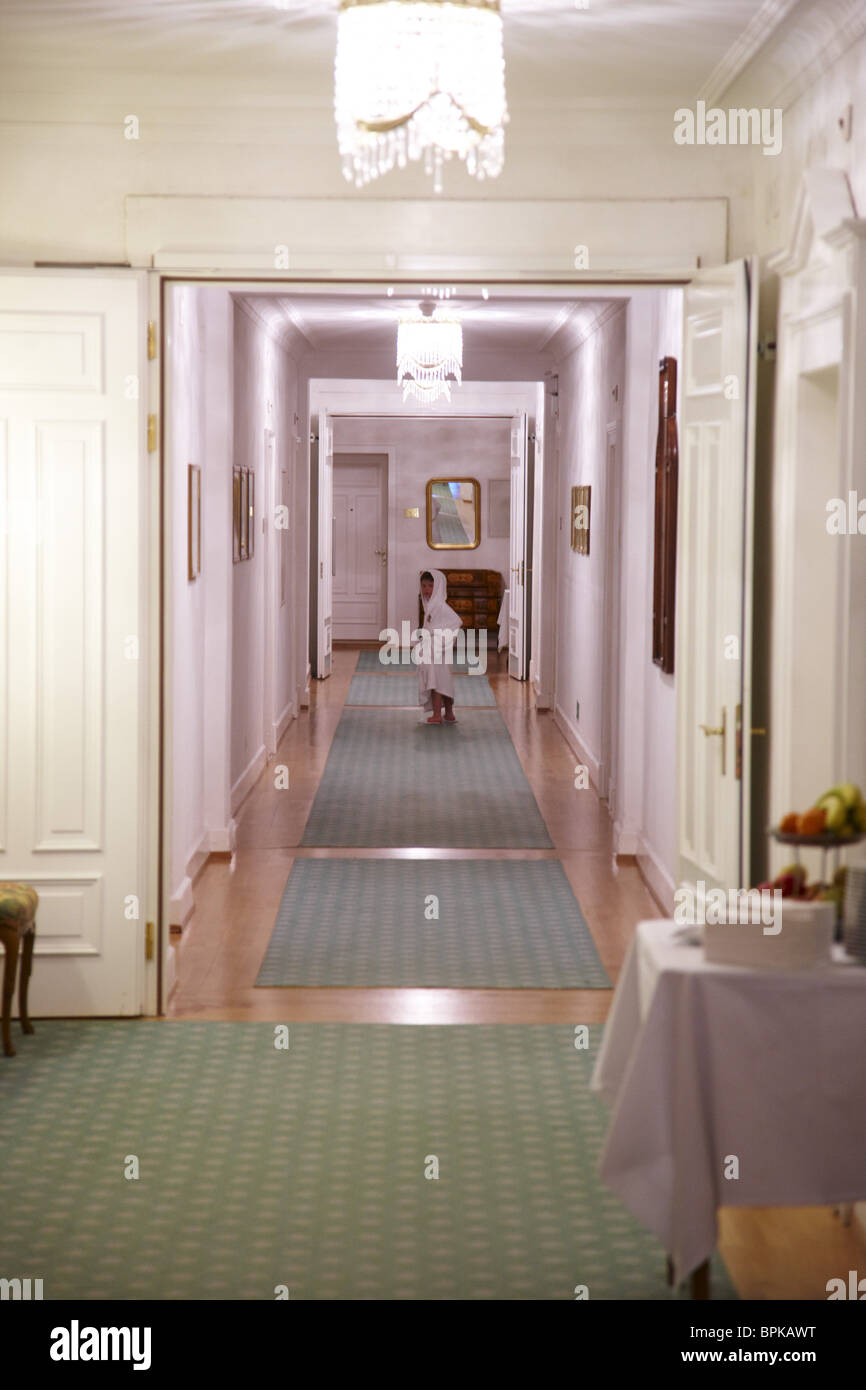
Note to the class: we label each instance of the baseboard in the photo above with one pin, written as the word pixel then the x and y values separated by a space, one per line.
pixel 248 778
pixel 283 722
pixel 626 841
pixel 222 840
pixel 170 971
pixel 657 879
pixel 181 903
pixel 577 745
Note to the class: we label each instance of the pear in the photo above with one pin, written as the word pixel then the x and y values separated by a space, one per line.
pixel 836 810
pixel 849 794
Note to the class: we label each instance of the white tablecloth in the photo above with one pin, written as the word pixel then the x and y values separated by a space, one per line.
pixel 502 620
pixel 701 1062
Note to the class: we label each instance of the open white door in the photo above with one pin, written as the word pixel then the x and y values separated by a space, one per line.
pixel 325 579
pixel 517 609
pixel 74 641
pixel 714 576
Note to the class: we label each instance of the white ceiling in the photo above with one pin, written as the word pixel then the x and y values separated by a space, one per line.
pixel 365 323
pixel 619 52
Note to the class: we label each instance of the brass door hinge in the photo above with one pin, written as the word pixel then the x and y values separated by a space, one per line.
pixel 151 434
pixel 151 340
pixel 149 940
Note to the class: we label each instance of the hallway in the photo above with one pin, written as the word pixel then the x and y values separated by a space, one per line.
pixel 223 943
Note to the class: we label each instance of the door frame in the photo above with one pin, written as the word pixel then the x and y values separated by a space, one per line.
pixel 340 397
pixel 821 324
pixel 391 520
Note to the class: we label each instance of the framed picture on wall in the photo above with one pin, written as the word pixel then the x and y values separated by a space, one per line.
pixel 580 507
pixel 236 515
pixel 665 543
pixel 193 520
pixel 245 513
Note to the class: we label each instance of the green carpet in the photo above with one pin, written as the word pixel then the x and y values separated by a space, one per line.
pixel 393 780
pixel 306 1167
pixel 502 924
pixel 402 689
pixel 369 662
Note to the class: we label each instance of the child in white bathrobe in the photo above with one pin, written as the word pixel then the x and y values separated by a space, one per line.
pixel 436 678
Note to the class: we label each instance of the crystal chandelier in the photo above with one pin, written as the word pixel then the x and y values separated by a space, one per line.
pixel 419 78
pixel 429 350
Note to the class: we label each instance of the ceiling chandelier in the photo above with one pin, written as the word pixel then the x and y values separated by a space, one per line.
pixel 429 350
pixel 419 79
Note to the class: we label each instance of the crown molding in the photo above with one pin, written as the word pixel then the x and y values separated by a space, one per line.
pixel 284 332
pixel 799 48
pixel 756 34
pixel 572 334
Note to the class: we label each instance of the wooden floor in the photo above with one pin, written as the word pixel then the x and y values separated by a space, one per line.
pixel 771 1253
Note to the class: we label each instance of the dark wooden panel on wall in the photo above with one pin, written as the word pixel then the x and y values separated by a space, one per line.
pixel 665 546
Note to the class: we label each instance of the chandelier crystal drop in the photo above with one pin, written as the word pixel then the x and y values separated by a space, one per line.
pixel 419 79
pixel 429 350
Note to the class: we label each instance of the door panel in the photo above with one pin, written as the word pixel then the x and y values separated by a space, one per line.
pixel 360 570
pixel 74 645
pixel 324 607
pixel 713 618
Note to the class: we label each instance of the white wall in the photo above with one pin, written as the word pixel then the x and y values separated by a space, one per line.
pixel 185 414
pixel 812 138
pixel 265 397
pixel 622 354
pixel 224 370
pixel 587 377
pixel 423 449
pixel 199 395
pixel 654 331
pixel 222 130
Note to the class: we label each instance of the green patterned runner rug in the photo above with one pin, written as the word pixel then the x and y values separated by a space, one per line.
pixel 459 924
pixel 368 688
pixel 192 1160
pixel 394 780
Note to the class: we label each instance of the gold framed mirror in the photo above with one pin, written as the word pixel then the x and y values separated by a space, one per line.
pixel 453 513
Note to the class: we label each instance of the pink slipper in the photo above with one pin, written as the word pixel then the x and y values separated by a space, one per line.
pixel 434 720
pixel 452 720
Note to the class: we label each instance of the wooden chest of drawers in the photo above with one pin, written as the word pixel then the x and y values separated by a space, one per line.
pixel 475 594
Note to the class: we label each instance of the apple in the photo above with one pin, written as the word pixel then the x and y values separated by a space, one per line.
pixel 797 872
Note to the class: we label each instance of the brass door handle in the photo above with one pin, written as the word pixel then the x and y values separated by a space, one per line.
pixel 758 731
pixel 721 731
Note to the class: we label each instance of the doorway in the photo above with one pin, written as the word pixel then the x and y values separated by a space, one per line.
pixel 360 546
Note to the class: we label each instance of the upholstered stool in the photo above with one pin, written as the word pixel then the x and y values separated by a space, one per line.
pixel 18 903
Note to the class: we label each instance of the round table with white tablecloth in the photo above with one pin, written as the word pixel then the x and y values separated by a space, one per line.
pixel 703 1064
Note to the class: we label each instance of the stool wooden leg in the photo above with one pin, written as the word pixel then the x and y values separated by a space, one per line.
pixel 700 1281
pixel 24 979
pixel 9 937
